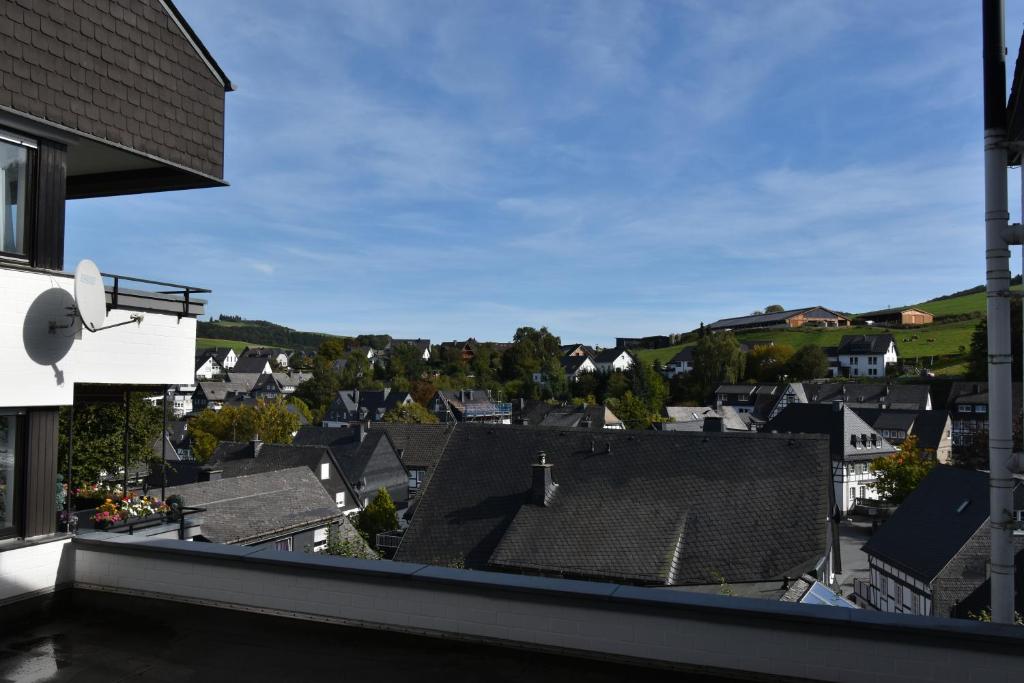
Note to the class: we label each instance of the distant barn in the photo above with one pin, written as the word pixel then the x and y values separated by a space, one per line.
pixel 897 316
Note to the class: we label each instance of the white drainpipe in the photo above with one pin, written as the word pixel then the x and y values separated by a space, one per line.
pixel 997 267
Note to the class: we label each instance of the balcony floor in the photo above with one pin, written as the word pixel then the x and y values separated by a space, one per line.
pixel 104 637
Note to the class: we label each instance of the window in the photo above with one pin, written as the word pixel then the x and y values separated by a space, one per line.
pixel 964 409
pixel 14 161
pixel 853 493
pixel 339 498
pixel 863 492
pixel 325 470
pixel 8 463
pixel 283 544
pixel 415 478
pixel 981 409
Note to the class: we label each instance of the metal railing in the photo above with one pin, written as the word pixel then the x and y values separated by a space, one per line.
pixel 155 520
pixel 184 291
pixel 389 540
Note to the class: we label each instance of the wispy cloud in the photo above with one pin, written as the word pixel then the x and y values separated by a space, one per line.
pixel 601 167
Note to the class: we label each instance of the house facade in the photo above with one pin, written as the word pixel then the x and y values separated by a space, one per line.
pixel 863 355
pixel 897 316
pixel 613 360
pixel 968 410
pixel 681 363
pixel 469 405
pixel 351 406
pixel 77 122
pixel 931 558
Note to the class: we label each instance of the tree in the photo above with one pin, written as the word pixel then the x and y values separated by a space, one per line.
pixel 302 407
pixel 633 412
pixel 99 437
pixel 530 348
pixel 322 386
pixel 410 413
pixel 717 359
pixel 977 357
pixel 340 546
pixel 808 362
pixel 648 385
pixel 271 421
pixel 768 363
pixel 379 516
pixel 774 308
pixel 897 475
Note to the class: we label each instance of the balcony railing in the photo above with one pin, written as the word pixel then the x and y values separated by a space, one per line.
pixel 173 298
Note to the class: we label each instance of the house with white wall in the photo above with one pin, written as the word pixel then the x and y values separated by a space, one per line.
pixel 863 355
pixel 77 123
pixel 681 363
pixel 612 360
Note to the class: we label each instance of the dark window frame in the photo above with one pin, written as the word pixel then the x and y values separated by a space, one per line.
pixel 29 210
pixel 16 529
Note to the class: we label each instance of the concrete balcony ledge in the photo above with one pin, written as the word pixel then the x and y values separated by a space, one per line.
pixel 647 626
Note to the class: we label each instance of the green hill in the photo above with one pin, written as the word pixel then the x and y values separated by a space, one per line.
pixel 940 345
pixel 241 333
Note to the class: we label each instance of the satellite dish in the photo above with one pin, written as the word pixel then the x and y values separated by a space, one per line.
pixel 90 295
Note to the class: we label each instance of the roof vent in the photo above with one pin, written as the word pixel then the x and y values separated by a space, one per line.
pixel 963 506
pixel 256 445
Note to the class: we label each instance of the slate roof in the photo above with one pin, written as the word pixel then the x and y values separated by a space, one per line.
pixel 860 344
pixel 932 523
pixel 572 364
pixel 546 414
pixel 842 427
pixel 220 391
pixel 255 508
pixel 420 446
pixel 890 419
pixel 930 428
pixel 684 356
pixel 348 402
pixel 609 355
pixel 235 457
pixel 251 365
pixel 152 89
pixel 354 457
pixel 691 418
pixel 869 394
pixel 746 507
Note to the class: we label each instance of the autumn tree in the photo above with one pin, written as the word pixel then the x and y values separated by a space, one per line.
pixel 767 363
pixel 897 475
pixel 271 421
pixel 410 413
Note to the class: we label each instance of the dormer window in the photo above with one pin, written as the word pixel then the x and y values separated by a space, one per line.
pixel 15 157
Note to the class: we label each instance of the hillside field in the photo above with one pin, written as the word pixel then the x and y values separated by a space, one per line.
pixel 950 338
pixel 238 346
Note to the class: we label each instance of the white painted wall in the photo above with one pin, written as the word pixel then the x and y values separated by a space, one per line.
pixel 34 570
pixel 40 369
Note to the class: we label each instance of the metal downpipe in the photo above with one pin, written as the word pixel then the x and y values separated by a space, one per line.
pixel 997 285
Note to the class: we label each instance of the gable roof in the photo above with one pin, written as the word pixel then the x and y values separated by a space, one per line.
pixel 610 355
pixel 193 38
pixel 771 318
pixel 355 458
pixel 572 364
pixel 930 428
pixel 420 446
pixel 258 507
pixel 220 391
pixel 252 365
pixel 698 495
pixel 684 355
pixel 855 344
pixel 933 523
pixel 236 459
pixel 850 437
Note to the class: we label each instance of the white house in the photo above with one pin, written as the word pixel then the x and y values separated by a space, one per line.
pixel 610 360
pixel 864 355
pixel 681 363
pixel 207 368
pixel 576 366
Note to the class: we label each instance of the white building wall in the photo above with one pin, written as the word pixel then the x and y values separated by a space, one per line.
pixel 41 369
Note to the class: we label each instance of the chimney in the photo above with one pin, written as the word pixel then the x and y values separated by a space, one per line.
pixel 362 432
pixel 837 405
pixel 208 474
pixel 714 424
pixel 256 446
pixel 543 488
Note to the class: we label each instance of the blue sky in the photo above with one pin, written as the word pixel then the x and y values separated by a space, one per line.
pixel 447 169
